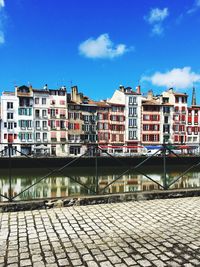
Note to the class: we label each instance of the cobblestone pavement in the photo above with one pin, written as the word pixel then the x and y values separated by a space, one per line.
pixel 145 233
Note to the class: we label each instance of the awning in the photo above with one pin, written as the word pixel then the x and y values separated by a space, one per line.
pixel 153 147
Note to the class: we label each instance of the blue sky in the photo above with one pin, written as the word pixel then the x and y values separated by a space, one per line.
pixel 98 45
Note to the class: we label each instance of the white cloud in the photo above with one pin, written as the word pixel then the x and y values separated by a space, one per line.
pixel 195 7
pixel 2 4
pixel 178 78
pixel 102 47
pixel 157 29
pixel 157 15
pixel 2 40
pixel 156 18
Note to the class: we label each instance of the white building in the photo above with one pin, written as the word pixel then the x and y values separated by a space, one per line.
pixel 9 123
pixel 40 123
pixel 132 101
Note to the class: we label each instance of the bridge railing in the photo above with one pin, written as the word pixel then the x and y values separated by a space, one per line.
pixel 95 152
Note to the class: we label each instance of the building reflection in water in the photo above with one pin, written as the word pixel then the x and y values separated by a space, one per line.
pixel 63 186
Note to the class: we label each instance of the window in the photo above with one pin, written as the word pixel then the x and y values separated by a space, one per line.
pixel 37 136
pixel 9 116
pixel 45 136
pixel 9 105
pixel 37 113
pixel 166 109
pixel 37 124
pixel 145 127
pixel 62 124
pixel 132 123
pixel 132 135
pixel 53 112
pixel 76 116
pixel 23 136
pixel 44 113
pixel 29 136
pixel 166 128
pixel 15 124
pixel 29 124
pixel 165 99
pixel 5 124
pixel 166 119
pixel 10 125
pixel 146 117
pixel 175 128
pixel 53 124
pixel 25 111
pixel 22 124
pixel 105 126
pixel 37 100
pixel 132 100
pixel 44 101
pixel 132 111
pixel 145 137
pixel 44 124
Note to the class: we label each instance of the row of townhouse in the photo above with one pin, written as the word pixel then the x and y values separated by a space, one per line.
pixel 54 122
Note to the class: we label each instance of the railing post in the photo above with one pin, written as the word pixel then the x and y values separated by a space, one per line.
pixel 164 168
pixel 10 172
pixel 96 170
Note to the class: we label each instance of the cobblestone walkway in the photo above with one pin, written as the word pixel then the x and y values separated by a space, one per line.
pixel 145 233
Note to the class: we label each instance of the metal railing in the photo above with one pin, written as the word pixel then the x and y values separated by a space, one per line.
pixel 164 151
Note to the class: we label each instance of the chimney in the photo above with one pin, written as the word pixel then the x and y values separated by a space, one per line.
pixel 74 93
pixel 150 95
pixel 138 90
pixel 194 102
pixel 121 88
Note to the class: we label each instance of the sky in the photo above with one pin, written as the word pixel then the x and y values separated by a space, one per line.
pixel 99 45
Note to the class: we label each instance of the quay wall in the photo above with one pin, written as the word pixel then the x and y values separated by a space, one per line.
pixel 16 162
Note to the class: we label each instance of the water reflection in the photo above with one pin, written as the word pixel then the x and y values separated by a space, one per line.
pixel 83 181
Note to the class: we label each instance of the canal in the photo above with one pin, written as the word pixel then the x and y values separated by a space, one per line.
pixel 79 181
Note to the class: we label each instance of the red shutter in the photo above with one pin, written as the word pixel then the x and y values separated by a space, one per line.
pixel 49 110
pixel 76 126
pixel 196 119
pixel 49 123
pixel 56 111
pixel 57 123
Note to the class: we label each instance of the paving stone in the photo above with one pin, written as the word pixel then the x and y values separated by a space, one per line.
pixel 106 264
pixel 144 263
pixel 92 264
pixel 160 232
pixel 25 263
pixel 129 261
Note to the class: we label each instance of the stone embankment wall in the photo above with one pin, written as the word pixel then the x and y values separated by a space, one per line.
pixel 93 200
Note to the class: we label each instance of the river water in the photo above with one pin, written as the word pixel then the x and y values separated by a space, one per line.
pixel 73 182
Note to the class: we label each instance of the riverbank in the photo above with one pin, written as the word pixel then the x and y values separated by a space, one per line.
pixel 20 162
pixel 47 203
